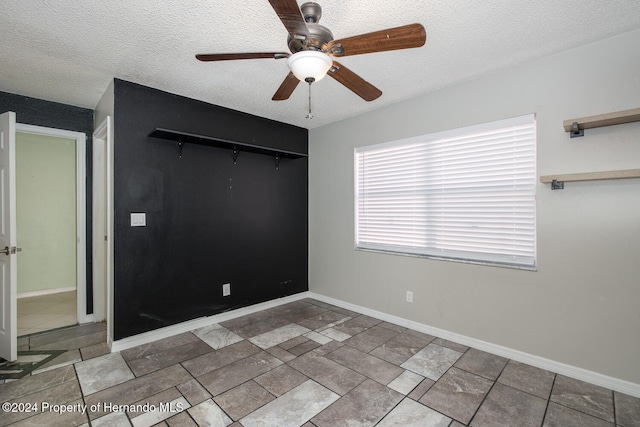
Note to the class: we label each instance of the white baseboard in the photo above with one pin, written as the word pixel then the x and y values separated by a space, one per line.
pixel 611 383
pixel 87 318
pixel 46 292
pixel 190 325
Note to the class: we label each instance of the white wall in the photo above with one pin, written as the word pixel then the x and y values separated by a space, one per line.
pixel 582 306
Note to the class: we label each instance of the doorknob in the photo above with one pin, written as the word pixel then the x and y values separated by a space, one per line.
pixel 10 251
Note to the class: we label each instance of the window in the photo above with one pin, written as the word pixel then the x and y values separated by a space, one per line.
pixel 466 194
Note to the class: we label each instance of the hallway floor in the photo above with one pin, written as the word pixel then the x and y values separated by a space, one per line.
pixel 46 312
pixel 305 363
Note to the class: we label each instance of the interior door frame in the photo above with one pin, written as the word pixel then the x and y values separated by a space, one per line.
pixel 81 209
pixel 102 227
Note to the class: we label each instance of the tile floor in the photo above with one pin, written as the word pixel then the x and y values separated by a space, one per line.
pixel 46 312
pixel 305 363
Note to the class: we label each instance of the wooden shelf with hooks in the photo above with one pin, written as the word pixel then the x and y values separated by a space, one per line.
pixel 577 126
pixel 557 181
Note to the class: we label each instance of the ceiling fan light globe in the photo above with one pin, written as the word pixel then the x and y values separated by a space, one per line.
pixel 309 64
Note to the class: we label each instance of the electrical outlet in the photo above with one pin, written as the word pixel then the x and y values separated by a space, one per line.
pixel 226 289
pixel 409 296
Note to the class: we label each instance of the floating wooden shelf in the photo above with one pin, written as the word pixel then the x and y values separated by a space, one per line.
pixel 557 181
pixel 576 126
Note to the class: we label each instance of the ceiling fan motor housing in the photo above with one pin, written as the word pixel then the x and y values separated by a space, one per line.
pixel 318 38
pixel 319 35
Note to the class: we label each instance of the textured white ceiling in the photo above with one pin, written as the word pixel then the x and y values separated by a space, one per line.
pixel 68 51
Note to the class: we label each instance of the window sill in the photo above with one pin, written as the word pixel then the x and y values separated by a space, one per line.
pixel 458 260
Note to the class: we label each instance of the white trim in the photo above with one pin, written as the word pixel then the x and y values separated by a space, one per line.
pixel 611 383
pixel 88 318
pixel 103 142
pixel 608 382
pixel 45 131
pixel 81 210
pixel 190 325
pixel 46 292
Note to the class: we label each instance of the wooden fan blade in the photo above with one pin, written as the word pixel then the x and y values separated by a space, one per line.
pixel 289 13
pixel 354 82
pixel 286 88
pixel 405 37
pixel 233 56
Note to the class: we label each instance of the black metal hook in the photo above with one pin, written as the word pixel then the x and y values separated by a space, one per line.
pixel 180 147
pixel 235 154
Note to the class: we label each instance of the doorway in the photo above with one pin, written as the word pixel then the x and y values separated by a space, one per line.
pixel 50 220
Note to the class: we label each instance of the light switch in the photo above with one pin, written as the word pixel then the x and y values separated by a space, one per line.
pixel 138 219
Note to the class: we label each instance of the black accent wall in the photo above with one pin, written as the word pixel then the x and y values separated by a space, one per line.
pixel 38 112
pixel 208 221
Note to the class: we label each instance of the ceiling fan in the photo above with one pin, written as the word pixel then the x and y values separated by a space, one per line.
pixel 312 46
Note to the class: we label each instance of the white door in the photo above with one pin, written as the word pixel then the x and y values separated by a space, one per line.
pixel 8 262
pixel 103 225
pixel 99 224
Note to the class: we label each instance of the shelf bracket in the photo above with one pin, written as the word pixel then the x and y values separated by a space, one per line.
pixel 277 160
pixel 608 119
pixel 180 147
pixel 557 185
pixel 575 131
pixel 235 154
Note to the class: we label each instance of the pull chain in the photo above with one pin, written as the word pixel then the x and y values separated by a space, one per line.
pixel 309 80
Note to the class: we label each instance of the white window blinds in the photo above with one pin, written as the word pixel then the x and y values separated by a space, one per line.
pixel 466 194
